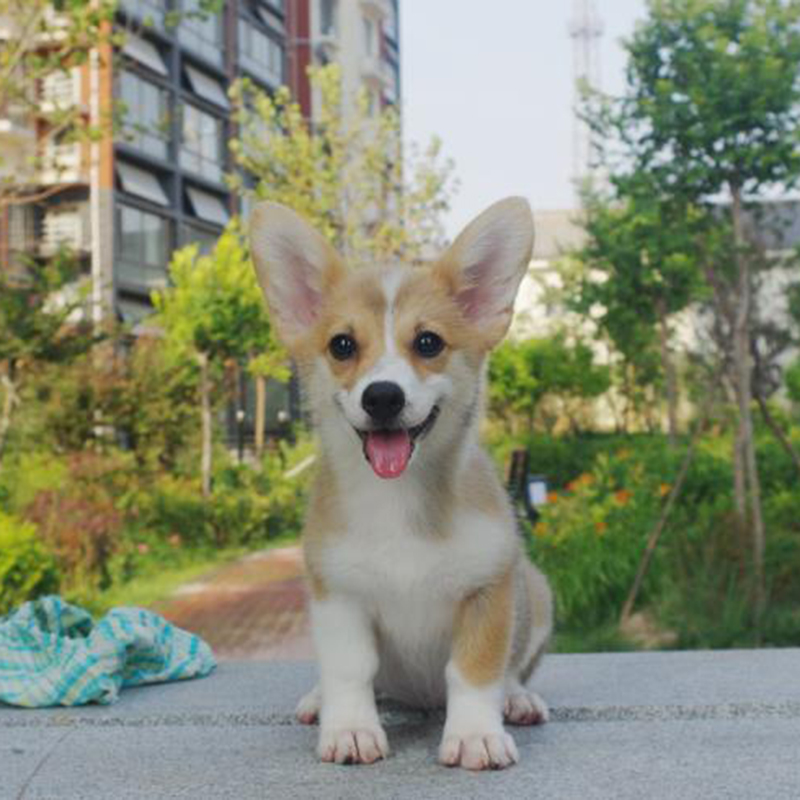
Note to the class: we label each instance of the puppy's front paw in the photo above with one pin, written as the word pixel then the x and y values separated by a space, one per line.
pixel 488 751
pixel 525 708
pixel 364 745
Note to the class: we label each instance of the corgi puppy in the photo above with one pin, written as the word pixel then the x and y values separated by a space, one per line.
pixel 420 587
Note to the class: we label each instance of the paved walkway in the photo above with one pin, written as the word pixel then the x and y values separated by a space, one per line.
pixel 253 609
pixel 625 726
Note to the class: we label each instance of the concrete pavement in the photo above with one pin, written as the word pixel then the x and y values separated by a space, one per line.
pixel 629 725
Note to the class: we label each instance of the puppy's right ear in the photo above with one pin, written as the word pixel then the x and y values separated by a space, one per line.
pixel 295 266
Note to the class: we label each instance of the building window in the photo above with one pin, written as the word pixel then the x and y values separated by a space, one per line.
pixel 327 17
pixel 141 183
pixel 201 143
pixel 260 54
pixel 206 87
pixel 392 91
pixel 146 117
pixel 369 35
pixel 390 27
pixel 142 248
pixel 150 13
pixel 133 310
pixel 207 207
pixel 205 240
pixel 201 31
pixel 145 53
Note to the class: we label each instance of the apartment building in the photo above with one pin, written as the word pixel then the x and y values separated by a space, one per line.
pixel 124 205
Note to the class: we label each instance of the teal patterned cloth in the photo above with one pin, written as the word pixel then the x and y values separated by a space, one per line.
pixel 53 654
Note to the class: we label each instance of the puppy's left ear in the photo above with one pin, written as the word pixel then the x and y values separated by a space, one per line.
pixel 485 265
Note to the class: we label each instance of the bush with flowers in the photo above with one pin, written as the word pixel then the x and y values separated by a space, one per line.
pixel 591 535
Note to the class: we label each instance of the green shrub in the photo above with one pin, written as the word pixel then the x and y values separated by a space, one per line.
pixel 30 473
pixel 589 539
pixel 27 570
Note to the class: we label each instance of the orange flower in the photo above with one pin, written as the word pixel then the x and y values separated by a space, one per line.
pixel 552 497
pixel 664 489
pixel 600 527
pixel 622 496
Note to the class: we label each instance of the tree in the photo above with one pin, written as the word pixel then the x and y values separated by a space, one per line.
pixel 213 313
pixel 346 173
pixel 46 40
pixel 711 111
pixel 39 323
pixel 523 374
pixel 639 270
pixel 147 399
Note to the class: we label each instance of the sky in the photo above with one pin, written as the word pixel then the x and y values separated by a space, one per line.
pixel 495 82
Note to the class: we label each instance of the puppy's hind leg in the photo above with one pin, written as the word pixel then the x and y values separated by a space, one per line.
pixel 534 623
pixel 523 707
pixel 307 711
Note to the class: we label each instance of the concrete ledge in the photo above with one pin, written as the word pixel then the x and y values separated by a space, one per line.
pixel 677 725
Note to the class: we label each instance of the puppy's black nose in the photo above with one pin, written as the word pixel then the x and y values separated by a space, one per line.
pixel 383 401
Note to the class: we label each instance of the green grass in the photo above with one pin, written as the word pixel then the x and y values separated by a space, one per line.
pixel 606 638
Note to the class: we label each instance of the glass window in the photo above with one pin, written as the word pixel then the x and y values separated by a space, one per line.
pixel 392 92
pixel 141 183
pixel 133 310
pixel 208 88
pixel 269 17
pixel 327 17
pixel 142 247
pixel 201 143
pixel 206 240
pixel 369 35
pixel 260 54
pixel 201 31
pixel 208 206
pixel 151 13
pixel 144 52
pixel 145 123
pixel 390 25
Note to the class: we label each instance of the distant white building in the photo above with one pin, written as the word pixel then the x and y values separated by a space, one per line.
pixel 775 228
pixel 536 313
pixel 363 38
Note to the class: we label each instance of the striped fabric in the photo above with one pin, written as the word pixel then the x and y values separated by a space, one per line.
pixel 53 654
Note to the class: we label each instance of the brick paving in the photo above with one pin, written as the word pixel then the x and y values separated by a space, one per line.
pixel 253 609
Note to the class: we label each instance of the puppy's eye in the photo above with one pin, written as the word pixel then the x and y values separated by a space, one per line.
pixel 428 344
pixel 342 346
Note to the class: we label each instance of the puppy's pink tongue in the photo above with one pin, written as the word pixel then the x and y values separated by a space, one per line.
pixel 388 452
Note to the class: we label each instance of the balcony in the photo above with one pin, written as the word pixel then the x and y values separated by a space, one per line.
pixel 61 91
pixel 62 163
pixel 375 71
pixel 380 9
pixel 15 129
pixel 68 227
